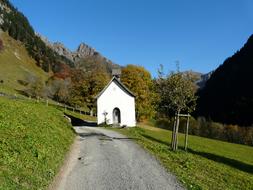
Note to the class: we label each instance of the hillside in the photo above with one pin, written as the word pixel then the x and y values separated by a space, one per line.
pixel 18 27
pixel 49 70
pixel 16 65
pixel 227 96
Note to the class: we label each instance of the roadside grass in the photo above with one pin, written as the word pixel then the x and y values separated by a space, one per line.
pixel 34 139
pixel 208 164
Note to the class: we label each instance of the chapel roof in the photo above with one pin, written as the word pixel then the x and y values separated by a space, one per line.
pixel 122 86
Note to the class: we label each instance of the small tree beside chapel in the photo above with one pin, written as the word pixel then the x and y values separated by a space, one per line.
pixel 177 96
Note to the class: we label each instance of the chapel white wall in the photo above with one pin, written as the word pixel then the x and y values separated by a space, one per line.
pixel 114 97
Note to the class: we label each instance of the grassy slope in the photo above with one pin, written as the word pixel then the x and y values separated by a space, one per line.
pixel 209 164
pixel 16 64
pixel 33 141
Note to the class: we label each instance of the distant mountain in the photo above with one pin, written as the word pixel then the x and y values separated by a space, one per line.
pixel 83 50
pixel 83 53
pixel 203 79
pixel 228 96
pixel 198 78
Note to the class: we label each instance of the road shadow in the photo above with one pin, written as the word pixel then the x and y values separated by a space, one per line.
pixel 217 158
pixel 92 134
pixel 79 122
pixel 155 139
pixel 101 136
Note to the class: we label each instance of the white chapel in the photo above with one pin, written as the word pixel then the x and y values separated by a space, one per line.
pixel 116 105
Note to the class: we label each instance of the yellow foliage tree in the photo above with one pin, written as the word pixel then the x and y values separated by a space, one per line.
pixel 139 81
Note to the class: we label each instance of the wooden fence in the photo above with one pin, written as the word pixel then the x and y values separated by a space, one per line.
pixel 48 102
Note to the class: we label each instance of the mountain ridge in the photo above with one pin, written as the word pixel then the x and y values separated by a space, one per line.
pixel 83 51
pixel 227 95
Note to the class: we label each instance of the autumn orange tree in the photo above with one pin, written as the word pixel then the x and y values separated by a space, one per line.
pixel 85 86
pixel 139 81
pixel 95 81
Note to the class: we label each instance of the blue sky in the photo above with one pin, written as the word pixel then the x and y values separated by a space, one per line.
pixel 200 34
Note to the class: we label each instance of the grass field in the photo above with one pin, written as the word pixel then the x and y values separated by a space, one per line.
pixel 208 164
pixel 34 139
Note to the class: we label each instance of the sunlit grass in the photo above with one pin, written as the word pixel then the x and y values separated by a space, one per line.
pixel 16 64
pixel 208 164
pixel 33 141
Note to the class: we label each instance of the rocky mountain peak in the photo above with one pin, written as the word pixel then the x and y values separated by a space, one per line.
pixel 85 50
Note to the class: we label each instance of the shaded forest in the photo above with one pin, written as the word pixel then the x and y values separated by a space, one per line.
pixel 228 96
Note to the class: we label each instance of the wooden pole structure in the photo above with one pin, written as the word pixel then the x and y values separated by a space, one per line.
pixel 174 138
pixel 175 133
pixel 186 133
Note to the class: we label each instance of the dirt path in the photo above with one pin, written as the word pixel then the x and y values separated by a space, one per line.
pixel 106 160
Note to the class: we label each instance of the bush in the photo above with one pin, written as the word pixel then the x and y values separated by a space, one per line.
pixel 164 123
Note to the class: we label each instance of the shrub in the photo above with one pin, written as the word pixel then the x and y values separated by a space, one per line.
pixel 164 123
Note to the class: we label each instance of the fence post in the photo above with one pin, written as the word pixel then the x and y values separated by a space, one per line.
pixel 186 133
pixel 173 132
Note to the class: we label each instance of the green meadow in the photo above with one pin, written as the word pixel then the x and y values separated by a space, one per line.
pixel 208 163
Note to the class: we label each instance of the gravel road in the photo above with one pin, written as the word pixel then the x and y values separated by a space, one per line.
pixel 106 160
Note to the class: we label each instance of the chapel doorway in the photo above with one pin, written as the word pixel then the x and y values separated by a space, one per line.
pixel 116 116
